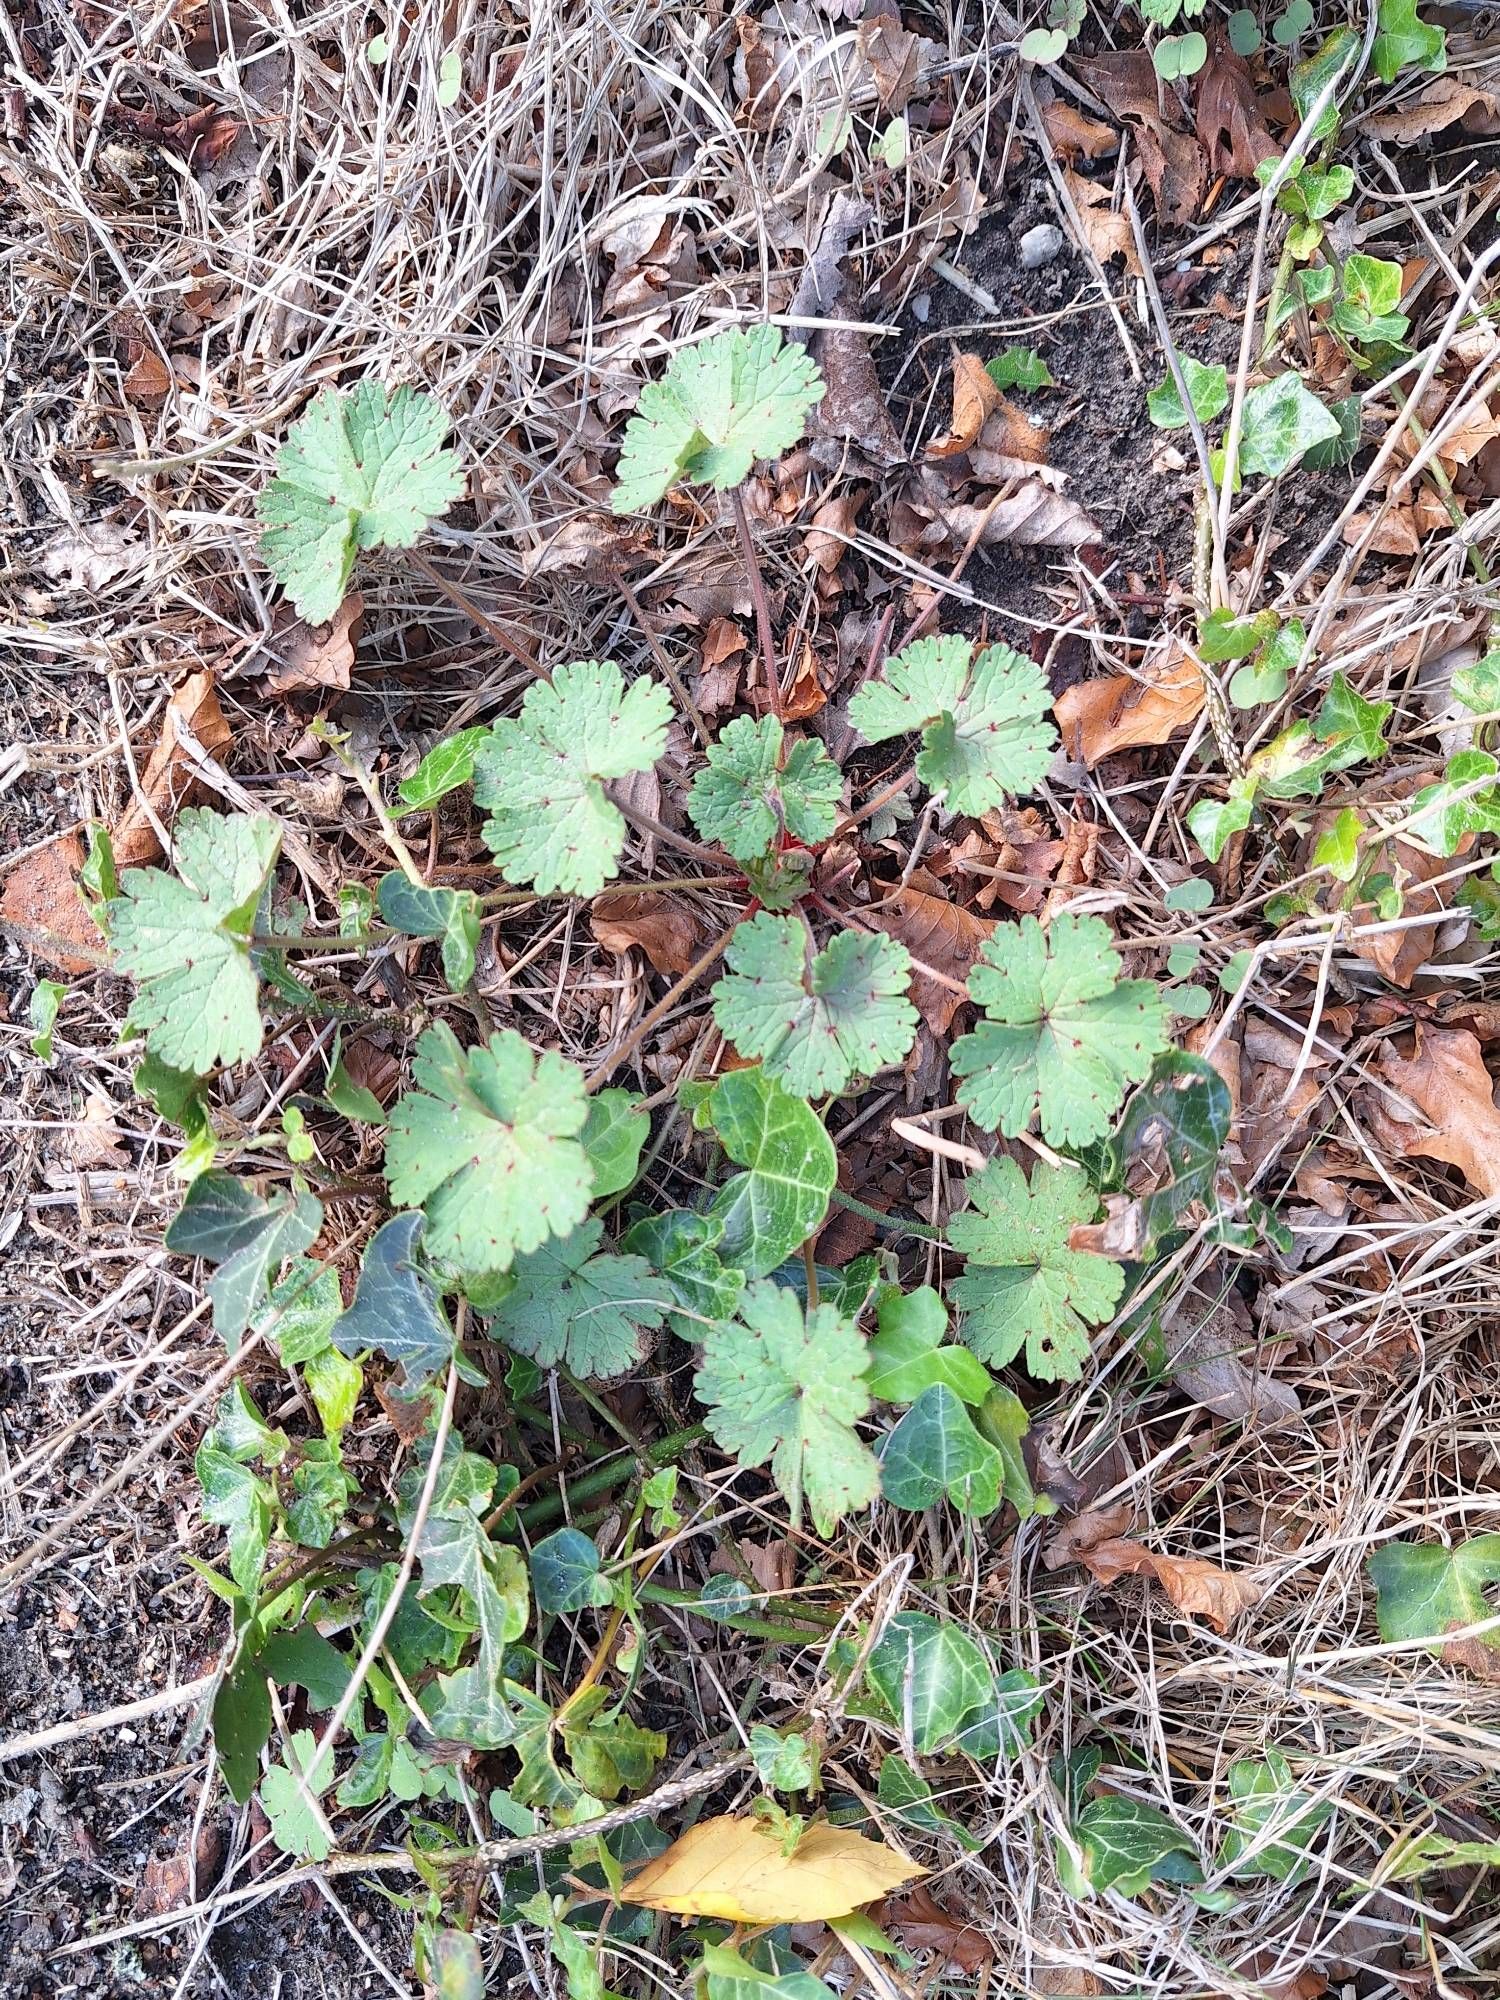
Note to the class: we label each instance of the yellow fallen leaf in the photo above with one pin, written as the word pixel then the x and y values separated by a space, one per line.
pixel 729 1868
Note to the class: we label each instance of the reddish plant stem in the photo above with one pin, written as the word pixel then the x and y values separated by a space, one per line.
pixel 760 600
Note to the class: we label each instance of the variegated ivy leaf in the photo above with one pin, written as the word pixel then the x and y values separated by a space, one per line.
pixel 817 1024
pixel 985 733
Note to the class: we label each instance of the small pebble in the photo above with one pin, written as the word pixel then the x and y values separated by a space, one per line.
pixel 921 307
pixel 1040 245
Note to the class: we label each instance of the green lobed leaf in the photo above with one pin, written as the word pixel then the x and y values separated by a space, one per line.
pixel 784 1762
pixel 1347 730
pixel 1023 1286
pixel 446 766
pixel 1272 1824
pixel 577 1308
pixel 753 788
pixel 609 1753
pixel 240 1502
pixel 301 1312
pixel 815 1027
pixel 395 1309
pixel 1020 367
pixel 935 1453
pixel 729 1975
pixel 1424 1590
pixel 1063 1034
pixel 453 1548
pixel 543 773
pixel 1465 802
pixel 224 1221
pixel 985 733
pixel 786 1388
pixel 488 1143
pixel 1282 419
pixel 1207 387
pixel 1405 41
pixel 1265 677
pixel 726 402
pixel 907 1355
pixel 1213 823
pixel 186 944
pixel 297 1827
pixel 771 1209
pixel 357 471
pixel 930 1676
pixel 683 1250
pixel 421 912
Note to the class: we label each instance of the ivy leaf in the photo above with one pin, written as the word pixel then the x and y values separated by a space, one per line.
pixel 985 733
pixel 788 1389
pixel 1179 1120
pixel 1213 823
pixel 910 1801
pixel 746 795
pixel 1445 814
pixel 771 1209
pixel 1282 419
pixel 488 1142
pixel 302 1310
pixel 1024 1286
pixel 1346 730
pixel 242 1725
pixel 1063 1031
pixel 1207 387
pixel 930 1676
pixel 572 1306
pixel 906 1354
pixel 1424 1591
pixel 239 1501
pixel 454 1549
pixel 999 1729
pixel 450 914
pixel 783 1763
pixel 1126 1845
pixel 683 1249
pixel 566 1573
pixel 543 773
pixel 1019 367
pixel 297 1827
pixel 395 1309
pixel 609 1753
pixel 935 1453
pixel 613 1137
pixel 1405 41
pixel 357 471
pixel 728 1975
pixel 446 766
pixel 732 399
pixel 854 1020
pixel 186 942
pixel 1267 1803
pixel 225 1222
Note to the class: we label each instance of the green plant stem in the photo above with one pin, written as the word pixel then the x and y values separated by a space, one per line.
pixel 906 1223
pixel 602 1478
pixel 816 1628
pixel 393 840
pixel 759 599
pixel 1279 284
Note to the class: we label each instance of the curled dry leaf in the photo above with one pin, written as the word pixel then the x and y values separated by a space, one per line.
pixel 90 557
pixel 1444 1079
pixel 1197 1588
pixel 301 656
pixel 1398 955
pixel 939 934
pixel 41 895
pixel 1447 101
pixel 1108 232
pixel 1174 164
pixel 1033 516
pixel 975 395
pixel 1206 1332
pixel 170 780
pixel 1120 712
pixel 923 1924
pixel 92 1140
pixel 731 1867
pixel 1077 136
pixel 664 929
pixel 833 528
pixel 593 543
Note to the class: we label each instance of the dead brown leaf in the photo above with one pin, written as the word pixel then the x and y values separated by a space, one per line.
pixel 1120 712
pixel 1399 955
pixel 1172 160
pixel 832 528
pixel 1213 1352
pixel 940 934
pixel 591 543
pixel 1077 136
pixel 1230 122
pixel 1069 1539
pixel 1445 1080
pixel 1033 516
pixel 1109 233
pixel 1197 1588
pixel 170 780
pixel 94 1139
pixel 975 395
pixel 664 929
pixel 1444 102
pixel 896 58
pixel 853 410
pixel 90 557
pixel 924 1925
pixel 301 656
pixel 41 895
pixel 167 1883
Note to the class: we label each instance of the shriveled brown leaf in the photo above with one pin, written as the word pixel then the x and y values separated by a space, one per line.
pixel 1109 233
pixel 170 779
pixel 1446 101
pixel 942 935
pixel 1399 955
pixel 301 656
pixel 167 1883
pixel 41 895
pixel 1213 1354
pixel 91 556
pixel 1173 162
pixel 975 395
pixel 663 928
pixel 1231 124
pixel 1119 712
pixel 922 1924
pixel 94 1139
pixel 1077 136
pixel 773 1565
pixel 591 543
pixel 375 1069
pixel 898 59
pixel 833 527
pixel 1445 1080
pixel 1033 516
pixel 1069 1539
pixel 853 410
pixel 1199 1589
